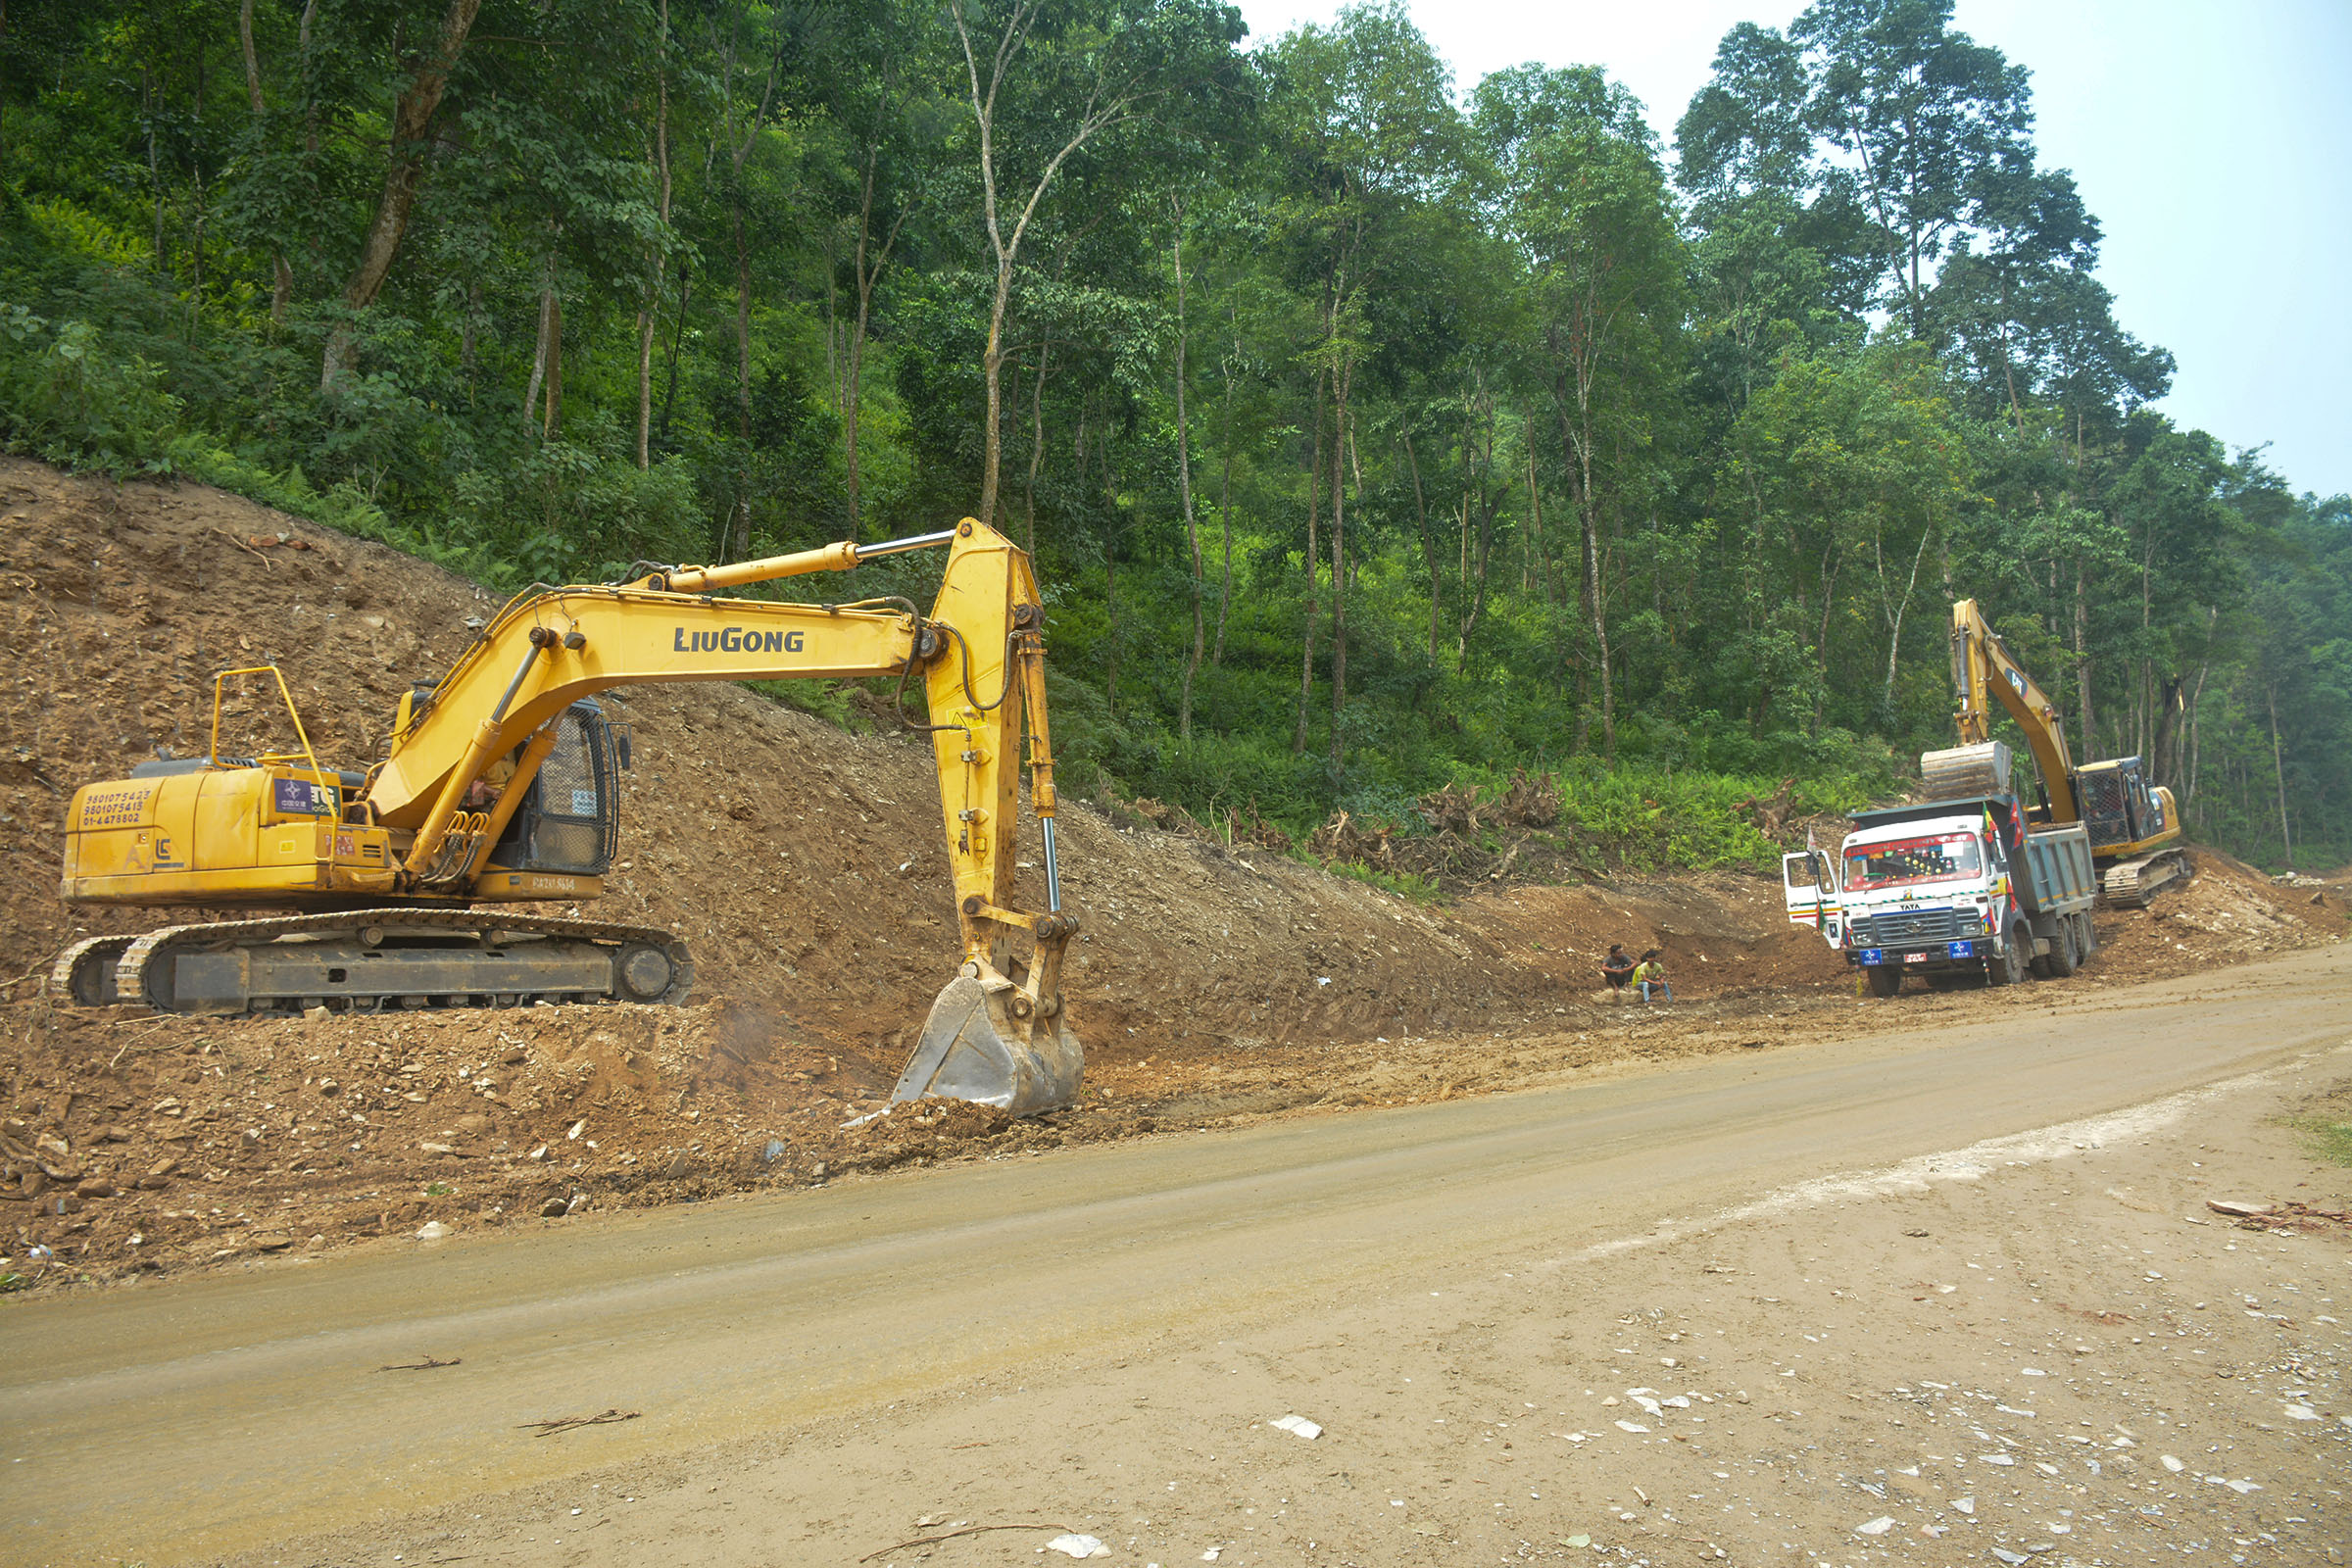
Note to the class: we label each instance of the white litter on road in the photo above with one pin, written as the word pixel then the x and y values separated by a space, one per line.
pixel 1078 1546
pixel 1299 1424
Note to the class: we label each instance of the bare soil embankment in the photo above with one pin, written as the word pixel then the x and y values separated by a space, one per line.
pixel 805 868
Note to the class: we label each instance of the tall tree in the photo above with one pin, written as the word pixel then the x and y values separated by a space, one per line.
pixel 1587 201
pixel 1043 84
pixel 425 79
pixel 1926 115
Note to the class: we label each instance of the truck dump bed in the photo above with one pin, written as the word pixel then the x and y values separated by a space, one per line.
pixel 2059 876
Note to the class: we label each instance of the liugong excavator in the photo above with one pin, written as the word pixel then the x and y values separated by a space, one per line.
pixel 500 789
pixel 2134 826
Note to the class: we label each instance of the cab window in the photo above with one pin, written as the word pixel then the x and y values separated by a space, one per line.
pixel 1936 858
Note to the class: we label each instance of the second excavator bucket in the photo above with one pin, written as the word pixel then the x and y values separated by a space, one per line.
pixel 984 1041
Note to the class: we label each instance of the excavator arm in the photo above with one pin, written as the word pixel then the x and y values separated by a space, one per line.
pixel 1977 659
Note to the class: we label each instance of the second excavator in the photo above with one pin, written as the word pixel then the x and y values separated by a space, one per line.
pixel 2134 826
pixel 408 884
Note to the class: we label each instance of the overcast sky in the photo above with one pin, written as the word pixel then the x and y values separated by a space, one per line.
pixel 2212 139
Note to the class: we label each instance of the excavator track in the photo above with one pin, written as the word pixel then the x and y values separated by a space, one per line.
pixel 2134 883
pixel 375 959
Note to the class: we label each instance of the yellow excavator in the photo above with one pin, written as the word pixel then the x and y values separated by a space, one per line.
pixel 408 884
pixel 2134 826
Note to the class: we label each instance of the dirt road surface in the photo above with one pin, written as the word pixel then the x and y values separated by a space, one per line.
pixel 1934 1295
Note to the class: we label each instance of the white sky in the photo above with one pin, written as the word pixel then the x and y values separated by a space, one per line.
pixel 2213 140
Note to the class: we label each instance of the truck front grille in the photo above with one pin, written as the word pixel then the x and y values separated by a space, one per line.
pixel 1906 928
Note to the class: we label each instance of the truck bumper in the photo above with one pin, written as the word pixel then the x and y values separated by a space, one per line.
pixel 1935 956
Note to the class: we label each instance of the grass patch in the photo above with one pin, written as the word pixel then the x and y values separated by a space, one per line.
pixel 1404 884
pixel 2326 1137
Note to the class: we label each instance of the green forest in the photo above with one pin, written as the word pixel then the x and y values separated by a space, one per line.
pixel 1375 432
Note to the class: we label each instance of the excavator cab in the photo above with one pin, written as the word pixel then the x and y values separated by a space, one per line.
pixel 2118 806
pixel 569 823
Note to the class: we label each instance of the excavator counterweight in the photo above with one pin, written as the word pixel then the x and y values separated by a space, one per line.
pixel 407 884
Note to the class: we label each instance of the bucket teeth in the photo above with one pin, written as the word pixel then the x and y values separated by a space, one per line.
pixel 973 1049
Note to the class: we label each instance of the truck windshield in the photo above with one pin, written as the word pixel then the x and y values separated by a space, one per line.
pixel 1924 859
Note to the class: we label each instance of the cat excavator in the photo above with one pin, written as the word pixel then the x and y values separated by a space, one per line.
pixel 409 885
pixel 2134 826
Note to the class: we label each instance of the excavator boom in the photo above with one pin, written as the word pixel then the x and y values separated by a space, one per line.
pixel 499 788
pixel 1983 672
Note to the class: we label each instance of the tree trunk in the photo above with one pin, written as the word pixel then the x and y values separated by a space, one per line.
pixel 467 332
pixel 854 405
pixel 1184 490
pixel 148 97
pixel 1225 499
pixel 1037 439
pixel 281 288
pixel 412 116
pixel 853 401
pixel 1478 446
pixel 2147 665
pixel 1895 638
pixel 743 373
pixel 1829 568
pixel 2196 704
pixel 647 317
pixel 1339 562
pixel 1429 543
pixel 739 152
pixel 677 342
pixel 2286 838
pixel 2088 742
pixel 2162 759
pixel 1110 582
pixel 547 358
pixel 552 425
pixel 1306 639
pixel 1595 594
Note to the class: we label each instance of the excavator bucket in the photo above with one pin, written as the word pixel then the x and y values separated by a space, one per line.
pixel 1966 770
pixel 976 1046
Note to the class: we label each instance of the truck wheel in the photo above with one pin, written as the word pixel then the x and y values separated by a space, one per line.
pixel 2086 939
pixel 1884 979
pixel 2008 967
pixel 2064 960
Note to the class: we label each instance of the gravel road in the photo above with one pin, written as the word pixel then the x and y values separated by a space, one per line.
pixel 1935 1295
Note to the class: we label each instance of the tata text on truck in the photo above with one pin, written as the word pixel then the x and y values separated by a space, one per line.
pixel 1952 891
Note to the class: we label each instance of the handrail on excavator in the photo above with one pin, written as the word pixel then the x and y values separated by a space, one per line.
pixel 840 556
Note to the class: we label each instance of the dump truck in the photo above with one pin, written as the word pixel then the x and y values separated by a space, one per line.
pixel 1953 891
pixel 409 883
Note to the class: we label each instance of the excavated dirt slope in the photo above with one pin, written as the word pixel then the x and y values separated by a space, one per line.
pixel 805 867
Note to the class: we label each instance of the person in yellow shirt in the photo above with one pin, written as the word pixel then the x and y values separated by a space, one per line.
pixel 1649 975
